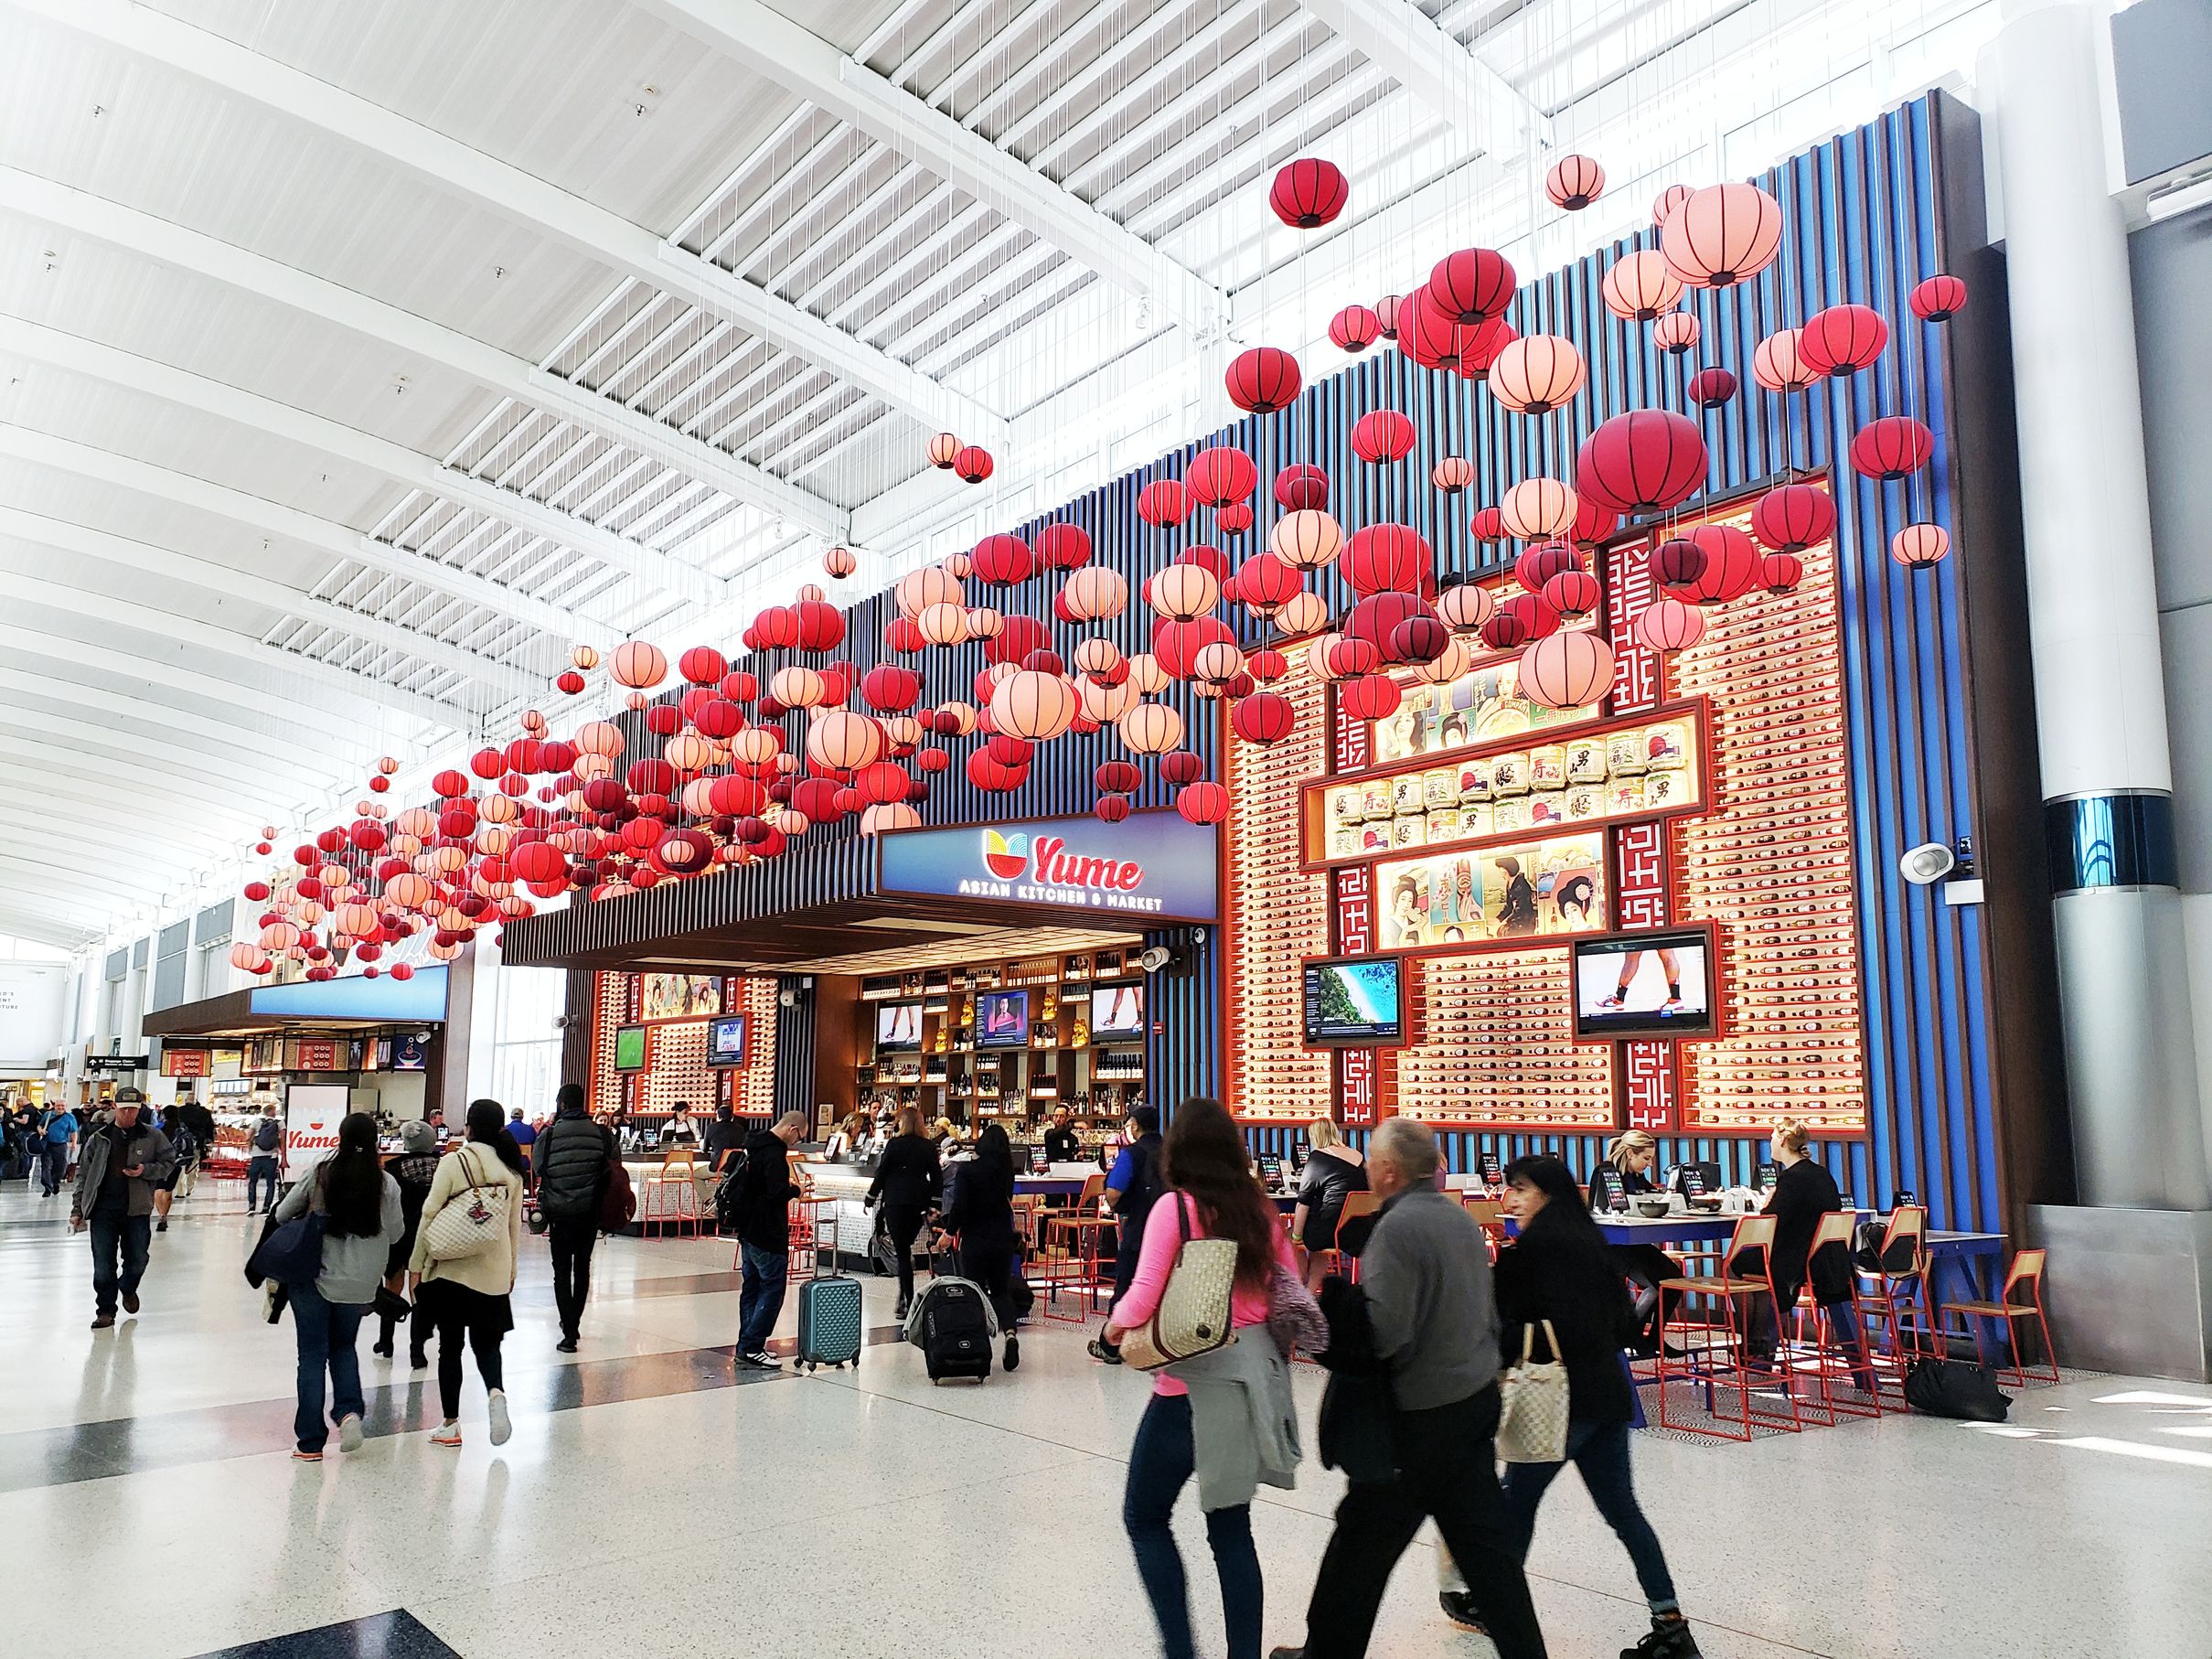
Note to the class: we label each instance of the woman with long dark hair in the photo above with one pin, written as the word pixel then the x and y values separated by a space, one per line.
pixel 981 1214
pixel 908 1183
pixel 359 1205
pixel 1559 1269
pixel 1210 1193
pixel 468 1293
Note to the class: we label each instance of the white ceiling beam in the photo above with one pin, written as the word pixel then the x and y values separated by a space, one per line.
pixel 126 227
pixel 80 748
pixel 124 835
pixel 163 624
pixel 1429 63
pixel 25 863
pixel 63 851
pixel 520 196
pixel 272 518
pixel 65 537
pixel 345 732
pixel 767 43
pixel 201 822
pixel 36 930
pixel 395 461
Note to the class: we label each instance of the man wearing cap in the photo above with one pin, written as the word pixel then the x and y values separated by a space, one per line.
pixel 117 1167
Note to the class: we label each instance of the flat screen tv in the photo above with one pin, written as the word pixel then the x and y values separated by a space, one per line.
pixel 630 1048
pixel 1116 1010
pixel 1002 1018
pixel 726 1040
pixel 1645 985
pixel 1356 1002
pixel 899 1025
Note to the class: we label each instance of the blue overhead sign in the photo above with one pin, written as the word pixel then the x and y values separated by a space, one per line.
pixel 1151 867
pixel 398 1002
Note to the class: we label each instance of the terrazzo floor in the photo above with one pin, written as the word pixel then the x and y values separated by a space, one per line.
pixel 655 1500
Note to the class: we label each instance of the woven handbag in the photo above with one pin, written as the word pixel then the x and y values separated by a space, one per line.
pixel 469 1224
pixel 1532 1405
pixel 1192 1317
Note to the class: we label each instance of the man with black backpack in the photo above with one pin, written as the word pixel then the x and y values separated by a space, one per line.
pixel 760 1189
pixel 572 1155
pixel 268 1147
pixel 1131 1189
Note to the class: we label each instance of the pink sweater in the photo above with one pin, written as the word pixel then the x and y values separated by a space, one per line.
pixel 1162 1240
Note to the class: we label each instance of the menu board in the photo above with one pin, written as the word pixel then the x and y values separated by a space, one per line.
pixel 185 1062
pixel 1640 768
pixel 1527 891
pixel 1482 705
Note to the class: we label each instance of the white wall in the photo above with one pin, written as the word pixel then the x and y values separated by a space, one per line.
pixel 34 1013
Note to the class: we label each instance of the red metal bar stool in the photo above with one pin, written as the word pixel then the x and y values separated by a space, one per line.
pixel 669 1195
pixel 1357 1207
pixel 1715 1356
pixel 1843 1378
pixel 1489 1215
pixel 1892 1297
pixel 1070 1250
pixel 2026 1273
pixel 811 1221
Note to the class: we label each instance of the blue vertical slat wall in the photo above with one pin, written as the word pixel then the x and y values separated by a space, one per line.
pixel 1861 226
pixel 1185 1043
pixel 794 1090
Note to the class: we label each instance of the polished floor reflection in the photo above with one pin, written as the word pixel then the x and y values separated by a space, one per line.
pixel 656 1500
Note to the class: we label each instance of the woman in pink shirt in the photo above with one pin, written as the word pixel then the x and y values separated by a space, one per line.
pixel 1209 1177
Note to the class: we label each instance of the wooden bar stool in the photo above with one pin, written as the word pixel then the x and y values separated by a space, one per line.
pixel 1715 1351
pixel 1070 1244
pixel 1826 1362
pixel 2026 1273
pixel 669 1194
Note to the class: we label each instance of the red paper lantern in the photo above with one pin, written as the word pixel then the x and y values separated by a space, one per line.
pixel 1234 519
pixel 1676 332
pixel 1920 546
pixel 570 681
pixel 1002 560
pixel 1481 347
pixel 1777 365
pixel 1593 523
pixel 1162 502
pixel 1722 234
pixel 1203 803
pixel 1938 299
pixel 1420 638
pixel 1537 374
pixel 972 464
pixel 1452 474
pixel 1263 379
pixel 1369 697
pixel 1644 461
pixel 1641 287
pixel 1427 336
pixel 1382 558
pixel 1309 192
pixel 1180 766
pixel 838 562
pixel 1791 518
pixel 1386 311
pixel 1265 717
pixel 1677 562
pixel 1264 581
pixel 1842 339
pixel 1668 626
pixel 1382 436
pixel 1537 619
pixel 1568 671
pixel 1573 182
pixel 1355 328
pixel 1731 567
pixel 1573 592
pixel 943 449
pixel 1219 475
pixel 1472 285
pixel 1488 524
pixel 702 664
pixel 448 784
pixel 1781 572
pixel 1111 808
pixel 1177 643
pixel 1710 388
pixel 1301 488
pixel 1062 546
pixel 1892 447
pixel 1540 563
pixel 1504 630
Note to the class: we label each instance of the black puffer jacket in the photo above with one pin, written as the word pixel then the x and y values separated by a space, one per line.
pixel 572 1156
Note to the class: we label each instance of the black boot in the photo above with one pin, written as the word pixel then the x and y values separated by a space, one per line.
pixel 1669 1639
pixel 1459 1608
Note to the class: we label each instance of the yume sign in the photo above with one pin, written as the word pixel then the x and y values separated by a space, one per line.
pixel 1151 866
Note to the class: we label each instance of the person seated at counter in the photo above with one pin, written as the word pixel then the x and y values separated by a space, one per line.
pixel 852 1137
pixel 1804 1193
pixel 1062 1144
pixel 1333 1173
pixel 1635 1153
pixel 725 1135
pixel 947 1137
pixel 680 1130
pixel 908 1183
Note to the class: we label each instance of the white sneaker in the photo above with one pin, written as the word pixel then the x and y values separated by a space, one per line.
pixel 763 1362
pixel 501 1426
pixel 446 1434
pixel 349 1432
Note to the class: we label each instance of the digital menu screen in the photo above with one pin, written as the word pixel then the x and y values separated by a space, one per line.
pixel 1002 1018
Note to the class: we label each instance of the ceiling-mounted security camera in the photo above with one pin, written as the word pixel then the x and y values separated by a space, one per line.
pixel 1155 958
pixel 1928 863
pixel 788 999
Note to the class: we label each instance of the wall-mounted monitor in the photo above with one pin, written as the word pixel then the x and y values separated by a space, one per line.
pixel 1116 1010
pixel 1645 985
pixel 1356 1002
pixel 1002 1018
pixel 899 1026
pixel 631 1048
pixel 726 1040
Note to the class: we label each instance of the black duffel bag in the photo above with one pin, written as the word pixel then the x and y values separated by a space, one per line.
pixel 1941 1387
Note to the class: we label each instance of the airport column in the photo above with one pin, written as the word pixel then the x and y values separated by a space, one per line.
pixel 2138 1121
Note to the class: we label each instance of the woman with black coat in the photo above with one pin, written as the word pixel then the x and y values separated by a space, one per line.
pixel 908 1181
pixel 1559 1271
pixel 1804 1192
pixel 981 1215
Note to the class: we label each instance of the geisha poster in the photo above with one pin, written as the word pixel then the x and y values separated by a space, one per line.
pixel 679 996
pixel 1494 895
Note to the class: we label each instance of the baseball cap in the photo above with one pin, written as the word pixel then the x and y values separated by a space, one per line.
pixel 130 1097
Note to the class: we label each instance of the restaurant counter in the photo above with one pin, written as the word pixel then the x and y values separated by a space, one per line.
pixel 847 1185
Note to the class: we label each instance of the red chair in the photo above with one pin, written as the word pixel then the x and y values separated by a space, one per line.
pixel 669 1195
pixel 812 1234
pixel 1846 1383
pixel 1715 1349
pixel 1893 1296
pixel 2026 1271
pixel 1071 1254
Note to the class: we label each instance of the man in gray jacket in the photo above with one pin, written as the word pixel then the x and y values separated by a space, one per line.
pixel 1426 1277
pixel 117 1168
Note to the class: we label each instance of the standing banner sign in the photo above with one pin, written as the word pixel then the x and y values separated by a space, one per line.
pixel 312 1112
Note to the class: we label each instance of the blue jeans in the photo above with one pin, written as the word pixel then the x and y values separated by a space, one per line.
pixel 761 1299
pixel 116 1234
pixel 326 1332
pixel 1161 1462
pixel 260 1167
pixel 1599 1451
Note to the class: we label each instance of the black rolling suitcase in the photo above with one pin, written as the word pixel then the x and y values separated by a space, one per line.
pixel 953 1326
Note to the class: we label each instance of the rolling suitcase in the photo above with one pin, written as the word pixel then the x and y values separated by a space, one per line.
pixel 953 1326
pixel 830 1321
